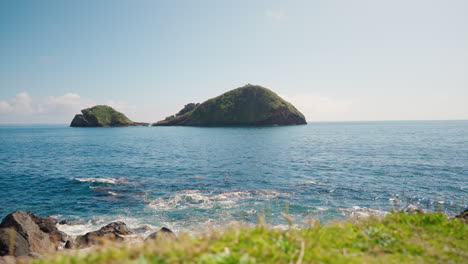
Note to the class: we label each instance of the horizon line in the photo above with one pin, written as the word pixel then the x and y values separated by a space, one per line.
pixel 308 122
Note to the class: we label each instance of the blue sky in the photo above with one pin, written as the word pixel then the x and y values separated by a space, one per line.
pixel 335 60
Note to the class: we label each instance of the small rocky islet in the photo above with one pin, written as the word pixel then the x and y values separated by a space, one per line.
pixel 250 105
pixel 102 116
pixel 24 234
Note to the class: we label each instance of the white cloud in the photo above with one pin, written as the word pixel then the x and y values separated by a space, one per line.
pixel 276 15
pixel 321 108
pixel 24 108
pixel 21 103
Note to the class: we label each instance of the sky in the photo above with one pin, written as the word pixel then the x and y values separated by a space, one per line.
pixel 349 60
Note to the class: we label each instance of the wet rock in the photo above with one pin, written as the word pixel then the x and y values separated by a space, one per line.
pixel 65 222
pixel 33 234
pixel 164 233
pixel 114 231
pixel 49 225
pixel 69 244
pixel 463 216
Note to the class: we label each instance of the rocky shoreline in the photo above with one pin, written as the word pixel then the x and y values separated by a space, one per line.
pixel 24 235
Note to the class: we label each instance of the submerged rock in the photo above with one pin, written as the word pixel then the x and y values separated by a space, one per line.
pixel 250 105
pixel 102 116
pixel 32 234
pixel 163 233
pixel 114 231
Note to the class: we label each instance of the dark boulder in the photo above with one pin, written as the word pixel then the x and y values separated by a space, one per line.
pixel 33 234
pixel 463 216
pixel 163 233
pixel 65 222
pixel 114 231
pixel 48 225
pixel 12 243
pixel 69 244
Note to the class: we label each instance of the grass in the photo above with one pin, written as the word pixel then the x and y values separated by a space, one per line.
pixel 395 238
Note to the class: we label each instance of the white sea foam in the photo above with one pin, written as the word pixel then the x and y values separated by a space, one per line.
pixel 77 229
pixel 195 198
pixel 81 227
pixel 316 183
pixel 311 183
pixel 322 208
pixel 359 212
pixel 101 180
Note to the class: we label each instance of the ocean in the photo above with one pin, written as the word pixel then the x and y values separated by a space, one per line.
pixel 193 178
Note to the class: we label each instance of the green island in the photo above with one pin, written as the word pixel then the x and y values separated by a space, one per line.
pixel 397 237
pixel 102 116
pixel 250 105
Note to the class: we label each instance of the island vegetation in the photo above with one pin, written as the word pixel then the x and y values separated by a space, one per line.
pixel 102 116
pixel 250 105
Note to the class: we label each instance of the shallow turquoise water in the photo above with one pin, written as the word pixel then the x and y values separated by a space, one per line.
pixel 188 177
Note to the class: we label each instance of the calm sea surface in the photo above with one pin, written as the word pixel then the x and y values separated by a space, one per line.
pixel 188 178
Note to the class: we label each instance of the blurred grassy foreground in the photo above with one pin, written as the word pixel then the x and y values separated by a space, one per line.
pixel 395 238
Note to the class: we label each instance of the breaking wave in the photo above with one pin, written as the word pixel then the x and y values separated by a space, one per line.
pixel 80 226
pixel 359 212
pixel 195 198
pixel 101 180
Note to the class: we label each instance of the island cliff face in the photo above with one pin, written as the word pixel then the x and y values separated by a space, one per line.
pixel 250 105
pixel 102 116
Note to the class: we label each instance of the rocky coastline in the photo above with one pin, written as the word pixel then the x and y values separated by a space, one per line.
pixel 24 235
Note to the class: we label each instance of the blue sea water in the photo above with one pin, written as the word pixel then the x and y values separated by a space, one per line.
pixel 190 178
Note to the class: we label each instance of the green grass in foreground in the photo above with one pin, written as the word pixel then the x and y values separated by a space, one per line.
pixel 395 238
